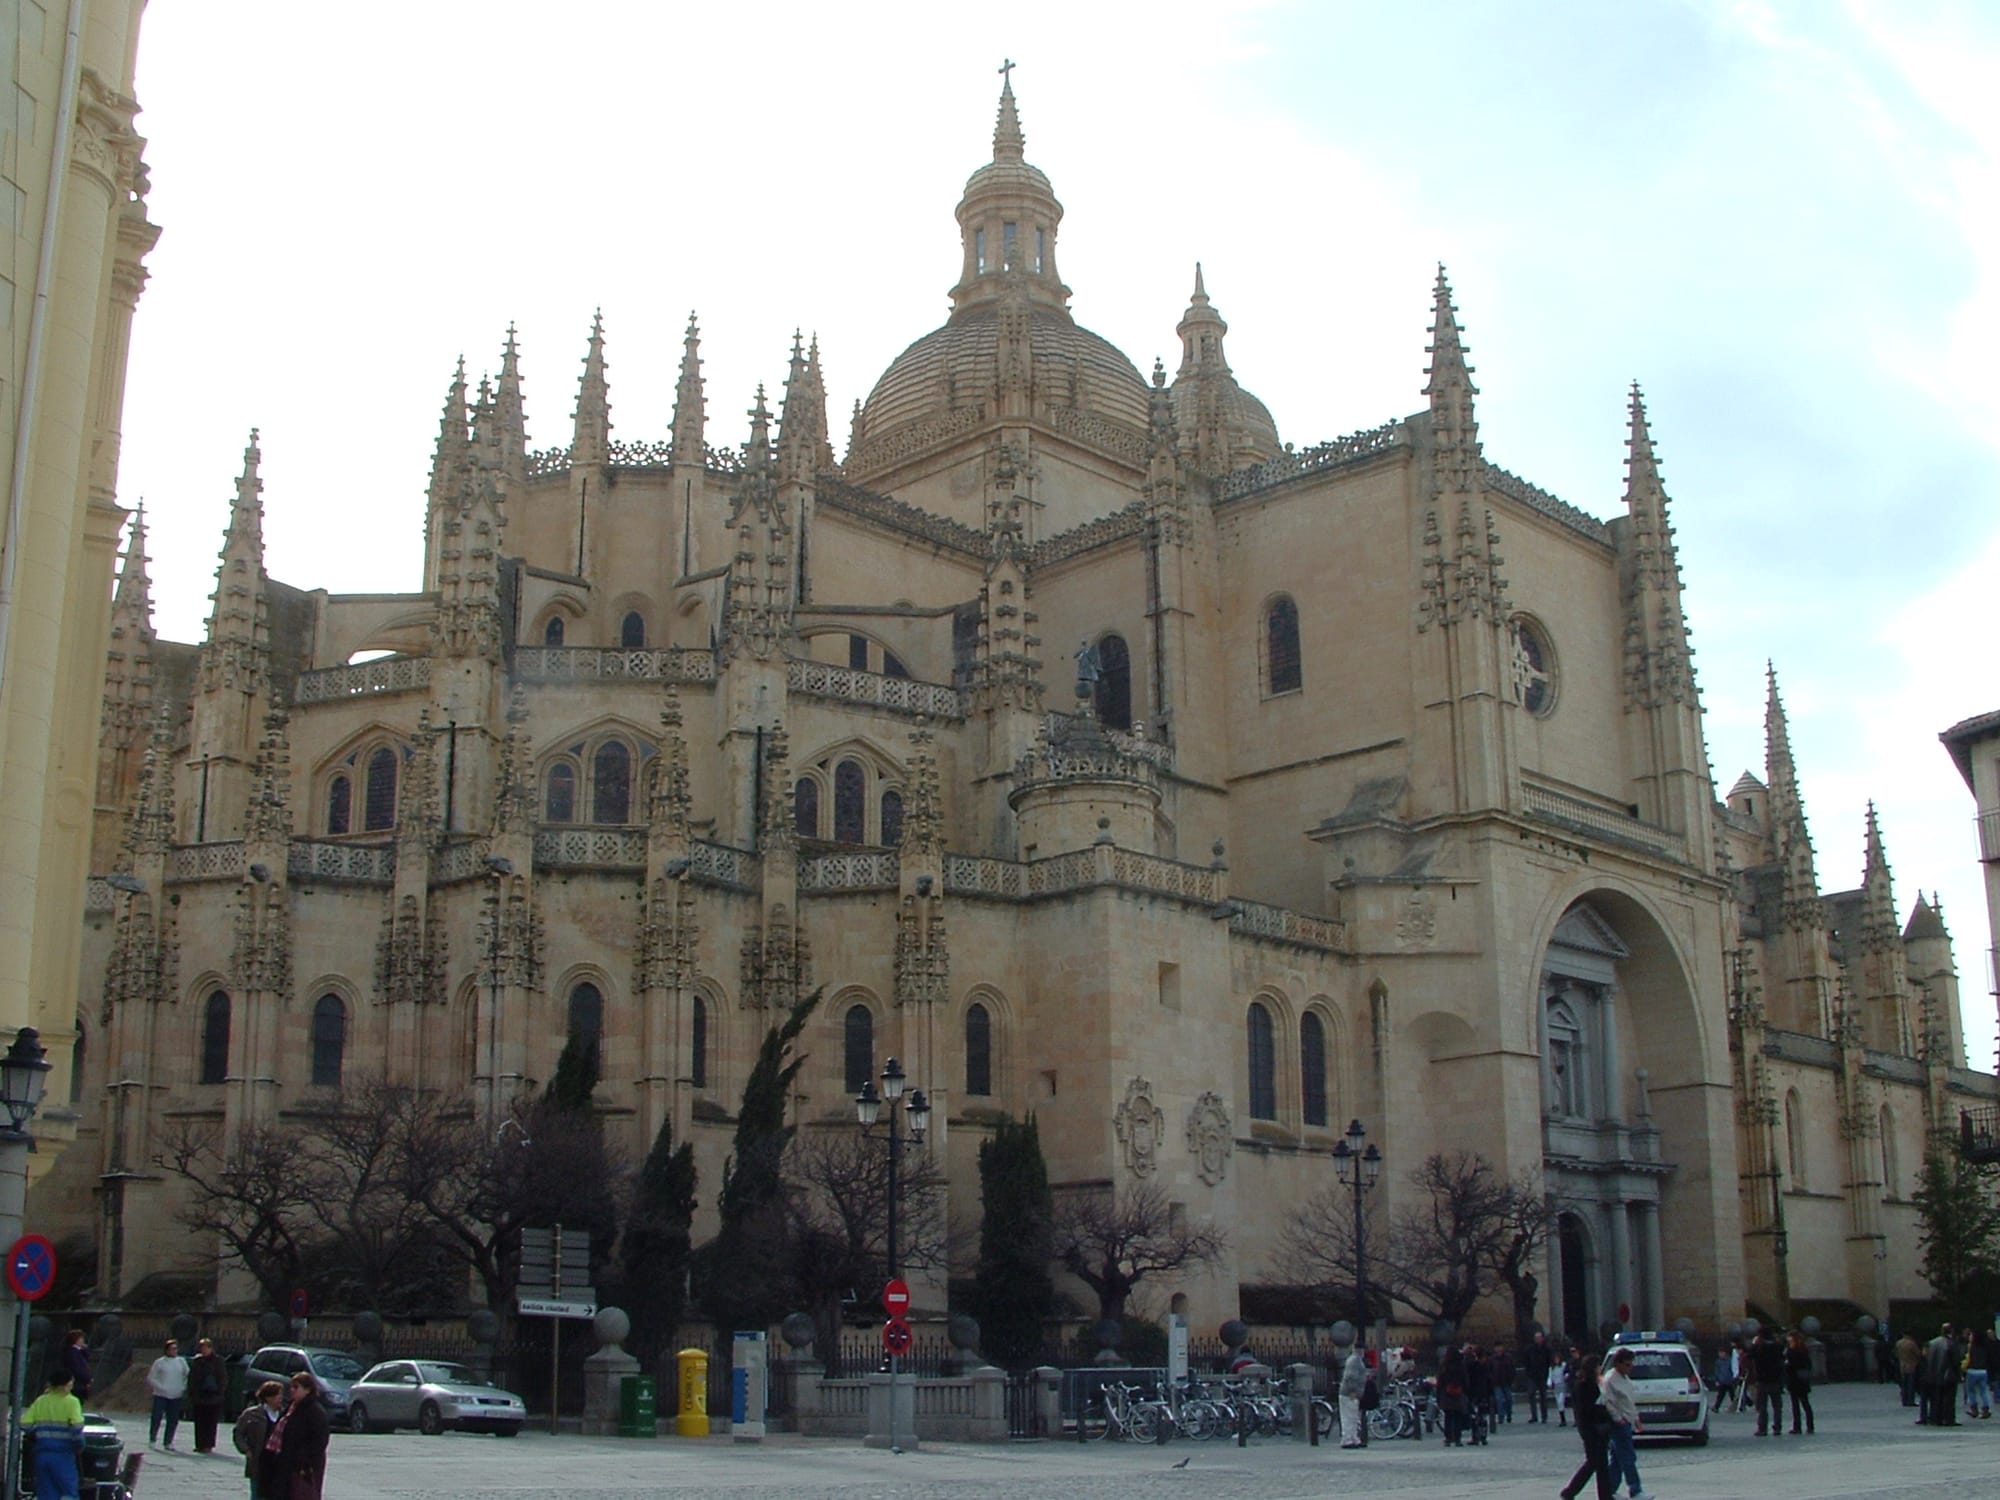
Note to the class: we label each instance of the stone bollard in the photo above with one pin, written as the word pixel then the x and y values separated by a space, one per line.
pixel 1048 1400
pixel 368 1339
pixel 1301 1379
pixel 989 1405
pixel 880 1394
pixel 604 1372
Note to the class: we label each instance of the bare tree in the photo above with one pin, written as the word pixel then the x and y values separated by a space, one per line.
pixel 1113 1241
pixel 254 1197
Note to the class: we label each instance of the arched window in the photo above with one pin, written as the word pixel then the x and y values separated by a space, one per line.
pixel 329 1041
pixel 978 1051
pixel 1281 647
pixel 1892 1182
pixel 559 801
pixel 1114 683
pixel 1534 668
pixel 850 803
pixel 805 807
pixel 215 1038
pixel 858 1047
pixel 1566 1062
pixel 857 652
pixel 1795 1140
pixel 892 818
pixel 339 805
pixel 1312 1068
pixel 611 783
pixel 632 631
pixel 1263 1064
pixel 76 1065
pixel 378 802
pixel 698 1044
pixel 552 633
pixel 586 1018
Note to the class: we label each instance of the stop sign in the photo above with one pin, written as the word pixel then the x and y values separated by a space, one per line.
pixel 896 1298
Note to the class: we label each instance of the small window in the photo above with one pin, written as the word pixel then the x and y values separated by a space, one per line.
pixel 978 1051
pixel 329 1041
pixel 1892 1182
pixel 586 1018
pixel 1281 647
pixel 1795 1141
pixel 698 1044
pixel 1312 1068
pixel 892 818
pixel 1009 234
pixel 552 633
pixel 611 783
pixel 339 805
pixel 76 1054
pixel 559 801
pixel 1263 1064
pixel 1114 683
pixel 858 1047
pixel 1534 669
pixel 1041 250
pixel 979 251
pixel 378 807
pixel 215 1038
pixel 632 631
pixel 857 652
pixel 805 807
pixel 850 804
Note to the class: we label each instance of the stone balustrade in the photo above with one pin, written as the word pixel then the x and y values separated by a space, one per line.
pixel 365 679
pixel 903 695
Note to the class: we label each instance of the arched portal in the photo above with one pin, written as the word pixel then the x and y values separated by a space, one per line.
pixel 1573 1281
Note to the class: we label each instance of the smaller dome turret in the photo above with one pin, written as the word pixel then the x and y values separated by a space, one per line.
pixel 1226 427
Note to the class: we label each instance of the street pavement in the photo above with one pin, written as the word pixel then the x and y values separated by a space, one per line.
pixel 1866 1445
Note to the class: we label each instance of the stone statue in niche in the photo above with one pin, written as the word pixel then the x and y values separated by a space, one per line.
pixel 1140 1123
pixel 1208 1137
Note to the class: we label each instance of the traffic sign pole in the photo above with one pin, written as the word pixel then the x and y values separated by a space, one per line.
pixel 31 1271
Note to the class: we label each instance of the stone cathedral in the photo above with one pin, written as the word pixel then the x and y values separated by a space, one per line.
pixel 1099 753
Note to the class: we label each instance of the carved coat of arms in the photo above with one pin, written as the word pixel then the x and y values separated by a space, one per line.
pixel 1140 1123
pixel 1208 1137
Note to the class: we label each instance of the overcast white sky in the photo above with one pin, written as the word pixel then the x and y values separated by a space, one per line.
pixel 1782 219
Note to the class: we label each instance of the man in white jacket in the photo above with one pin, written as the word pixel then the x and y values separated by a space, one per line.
pixel 1621 1405
pixel 168 1381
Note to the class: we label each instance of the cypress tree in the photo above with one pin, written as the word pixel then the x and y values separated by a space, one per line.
pixel 658 1243
pixel 1012 1289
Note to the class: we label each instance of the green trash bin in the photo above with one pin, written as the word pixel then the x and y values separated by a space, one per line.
pixel 638 1407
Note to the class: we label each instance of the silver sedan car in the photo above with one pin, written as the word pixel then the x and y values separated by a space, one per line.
pixel 432 1395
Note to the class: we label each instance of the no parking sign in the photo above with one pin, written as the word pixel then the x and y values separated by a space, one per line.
pixel 31 1267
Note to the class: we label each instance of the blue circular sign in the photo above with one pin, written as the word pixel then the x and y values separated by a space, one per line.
pixel 31 1267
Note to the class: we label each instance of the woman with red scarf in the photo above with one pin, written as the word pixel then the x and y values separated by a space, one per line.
pixel 295 1452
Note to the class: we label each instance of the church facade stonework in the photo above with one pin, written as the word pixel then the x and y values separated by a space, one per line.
pixel 1338 816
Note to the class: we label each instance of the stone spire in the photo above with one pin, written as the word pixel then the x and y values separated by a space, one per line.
pixel 150 828
pixel 690 404
pixel 454 452
pixel 133 602
pixel 591 444
pixel 1658 666
pixel 670 800
pixel 510 416
pixel 1791 845
pixel 798 432
pixel 1009 144
pixel 923 806
pixel 1454 430
pixel 268 821
pixel 237 652
pixel 1007 227
pixel 1876 885
pixel 472 534
pixel 758 611
pixel 485 433
pixel 514 802
pixel 823 429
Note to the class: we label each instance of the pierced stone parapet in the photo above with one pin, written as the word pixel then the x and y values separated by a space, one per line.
pixel 1157 753
pixel 329 860
pixel 870 870
pixel 1328 455
pixel 993 879
pixel 187 863
pixel 1276 924
pixel 367 679
pixel 1547 805
pixel 818 679
pixel 1536 498
pixel 602 664
pixel 460 860
pixel 723 865
pixel 590 848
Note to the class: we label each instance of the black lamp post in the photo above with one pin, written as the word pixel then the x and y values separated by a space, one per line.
pixel 868 1109
pixel 1359 1167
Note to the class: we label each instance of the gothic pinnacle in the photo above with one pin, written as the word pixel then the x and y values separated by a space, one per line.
pixel 135 585
pixel 1454 428
pixel 1447 347
pixel 591 444
pixel 1642 467
pixel 690 405
pixel 1008 142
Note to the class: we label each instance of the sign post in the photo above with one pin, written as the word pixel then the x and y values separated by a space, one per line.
pixel 555 1283
pixel 896 1340
pixel 31 1271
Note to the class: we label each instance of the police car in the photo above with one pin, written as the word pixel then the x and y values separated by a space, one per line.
pixel 1666 1374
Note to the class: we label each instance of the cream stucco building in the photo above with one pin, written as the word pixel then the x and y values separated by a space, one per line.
pixel 1379 792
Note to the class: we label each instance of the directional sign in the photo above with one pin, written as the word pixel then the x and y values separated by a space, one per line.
pixel 896 1336
pixel 896 1298
pixel 550 1307
pixel 31 1267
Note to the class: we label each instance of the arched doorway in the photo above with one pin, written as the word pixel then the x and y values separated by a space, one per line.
pixel 1573 1287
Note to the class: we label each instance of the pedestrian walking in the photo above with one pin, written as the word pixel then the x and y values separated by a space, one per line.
pixel 76 1360
pixel 1725 1377
pixel 1621 1411
pixel 1594 1428
pixel 253 1430
pixel 1353 1385
pixel 1909 1355
pixel 1452 1400
pixel 1564 1383
pixel 1767 1365
pixel 1478 1393
pixel 298 1445
pixel 208 1382
pixel 1979 1357
pixel 167 1379
pixel 1537 1361
pixel 1798 1379
pixel 1501 1362
pixel 1938 1381
pixel 55 1422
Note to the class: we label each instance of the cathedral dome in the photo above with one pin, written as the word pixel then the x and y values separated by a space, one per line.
pixel 1223 425
pixel 1010 350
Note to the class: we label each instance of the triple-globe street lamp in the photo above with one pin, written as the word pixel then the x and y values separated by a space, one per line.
pixel 1359 1162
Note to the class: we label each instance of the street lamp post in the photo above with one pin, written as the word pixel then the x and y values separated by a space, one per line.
pixel 499 869
pixel 24 1073
pixel 1359 1165
pixel 868 1109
